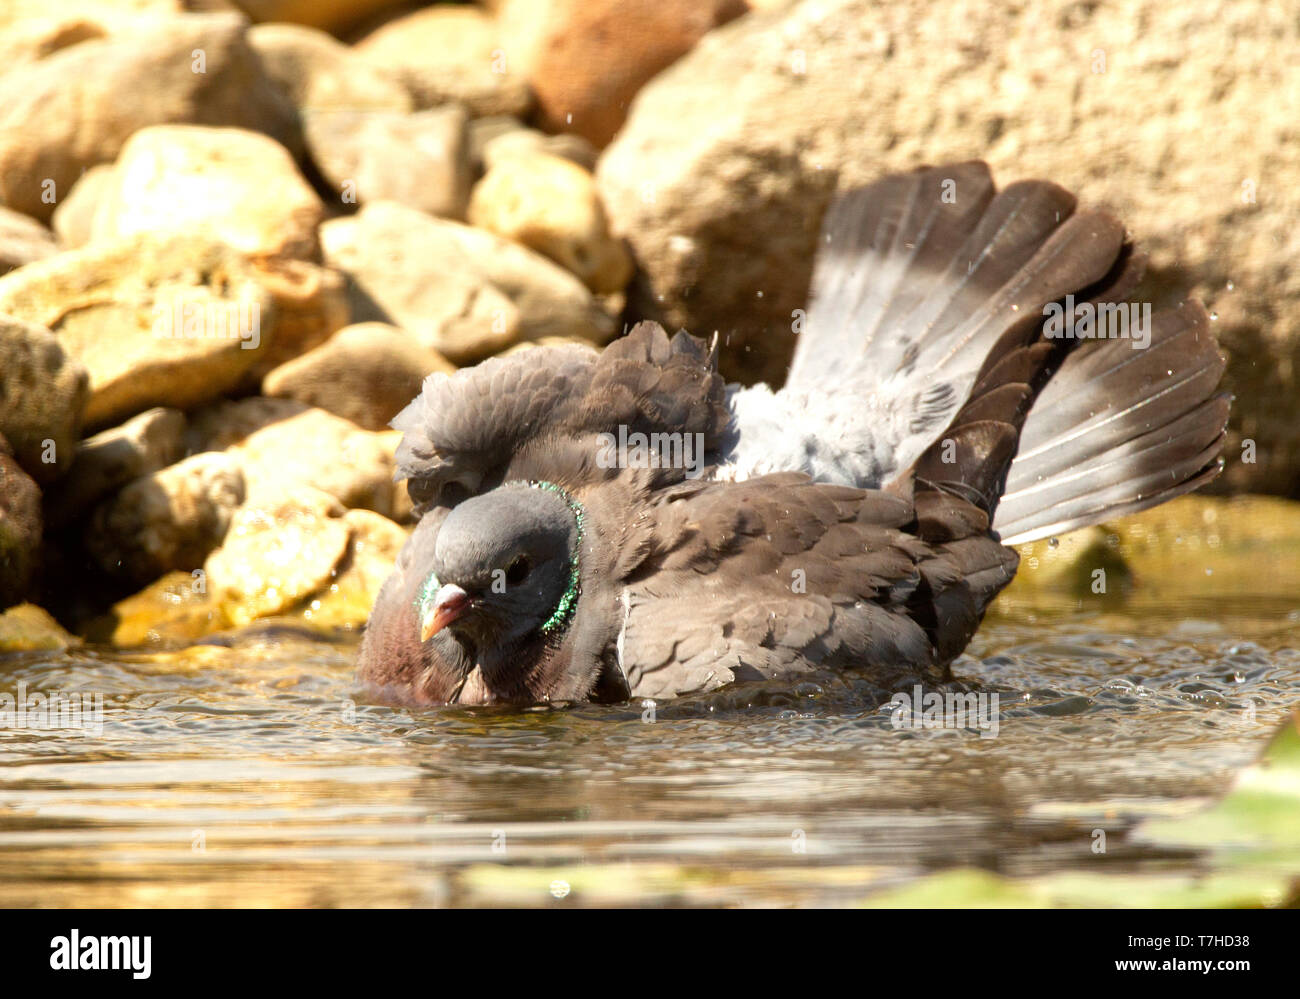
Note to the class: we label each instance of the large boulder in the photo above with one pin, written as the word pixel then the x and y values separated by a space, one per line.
pixel 722 173
pixel 77 107
pixel 460 291
pixel 170 322
pixel 447 53
pixel 43 394
pixel 229 184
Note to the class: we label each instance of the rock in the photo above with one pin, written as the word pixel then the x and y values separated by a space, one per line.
pixel 229 184
pixel 482 131
pixel 43 394
pixel 550 205
pixel 528 141
pixel 586 59
pixel 172 322
pixel 20 528
pixel 365 373
pixel 310 304
pixel 371 553
pixel 28 628
pixel 23 240
pixel 77 107
pixel 75 215
pixel 282 546
pixel 420 159
pixel 18 15
pixel 722 173
pixel 460 291
pixel 335 16
pixel 176 608
pixel 142 445
pixel 449 53
pixel 167 520
pixel 280 442
pixel 32 39
pixel 320 73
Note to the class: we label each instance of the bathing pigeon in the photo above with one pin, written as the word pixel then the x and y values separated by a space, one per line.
pixel 598 526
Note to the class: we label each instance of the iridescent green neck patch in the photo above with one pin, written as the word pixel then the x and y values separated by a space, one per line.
pixel 569 601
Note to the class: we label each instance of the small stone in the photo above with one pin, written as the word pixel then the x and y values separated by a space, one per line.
pixel 550 205
pixel 320 73
pixel 420 159
pixel 74 218
pixel 43 394
pixel 167 520
pixel 23 240
pixel 365 373
pixel 449 53
pixel 460 291
pixel 232 185
pixel 283 545
pixel 527 141
pixel 142 445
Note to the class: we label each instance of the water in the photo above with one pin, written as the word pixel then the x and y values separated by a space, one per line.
pixel 253 775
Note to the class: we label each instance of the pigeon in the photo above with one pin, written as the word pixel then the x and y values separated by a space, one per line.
pixel 601 526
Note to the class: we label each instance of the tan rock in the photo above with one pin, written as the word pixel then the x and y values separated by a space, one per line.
pixel 167 520
pixel 23 240
pixel 43 394
pixel 320 73
pixel 527 141
pixel 77 107
pixel 329 15
pixel 28 628
pixel 449 52
pixel 283 545
pixel 364 373
pixel 586 59
pixel 171 322
pixel 178 607
pixel 31 39
pixel 346 601
pixel 310 304
pixel 282 443
pixel 420 159
pixel 550 205
pixel 229 184
pixel 74 217
pixel 460 291
pixel 142 445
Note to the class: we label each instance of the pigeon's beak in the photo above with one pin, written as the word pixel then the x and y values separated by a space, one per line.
pixel 449 603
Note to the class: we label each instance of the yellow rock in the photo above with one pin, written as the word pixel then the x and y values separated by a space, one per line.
pixel 28 628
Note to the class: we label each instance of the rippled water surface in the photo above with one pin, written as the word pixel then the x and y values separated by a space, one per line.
pixel 252 775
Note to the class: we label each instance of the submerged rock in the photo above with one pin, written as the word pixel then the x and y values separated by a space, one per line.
pixel 460 291
pixel 229 184
pixel 167 520
pixel 550 205
pixel 364 373
pixel 176 608
pixel 43 394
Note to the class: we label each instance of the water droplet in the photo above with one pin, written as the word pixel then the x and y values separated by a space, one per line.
pixel 1053 542
pixel 1214 315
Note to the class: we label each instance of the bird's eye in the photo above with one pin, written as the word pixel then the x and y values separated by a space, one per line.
pixel 518 570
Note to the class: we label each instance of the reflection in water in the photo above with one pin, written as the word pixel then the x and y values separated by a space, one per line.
pixel 249 775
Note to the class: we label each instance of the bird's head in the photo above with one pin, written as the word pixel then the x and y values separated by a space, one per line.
pixel 505 570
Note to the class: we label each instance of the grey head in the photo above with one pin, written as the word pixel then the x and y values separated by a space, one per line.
pixel 504 573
